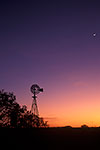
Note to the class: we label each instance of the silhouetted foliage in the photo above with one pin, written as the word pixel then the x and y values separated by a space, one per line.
pixel 12 115
pixel 84 126
pixel 68 127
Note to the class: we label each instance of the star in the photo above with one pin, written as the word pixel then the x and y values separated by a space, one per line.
pixel 94 34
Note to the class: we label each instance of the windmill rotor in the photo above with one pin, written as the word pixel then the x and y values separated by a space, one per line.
pixel 35 89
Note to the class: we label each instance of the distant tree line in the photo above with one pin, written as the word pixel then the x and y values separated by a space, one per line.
pixel 12 115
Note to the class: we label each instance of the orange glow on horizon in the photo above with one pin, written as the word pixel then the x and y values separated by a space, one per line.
pixel 73 105
pixel 73 113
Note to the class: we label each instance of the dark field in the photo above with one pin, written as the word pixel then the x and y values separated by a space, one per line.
pixel 51 138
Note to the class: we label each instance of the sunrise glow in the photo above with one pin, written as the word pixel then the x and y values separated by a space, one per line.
pixel 55 45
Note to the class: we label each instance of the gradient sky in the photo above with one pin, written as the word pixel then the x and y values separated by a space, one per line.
pixel 51 43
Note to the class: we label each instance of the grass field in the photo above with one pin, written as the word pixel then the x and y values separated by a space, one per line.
pixel 51 138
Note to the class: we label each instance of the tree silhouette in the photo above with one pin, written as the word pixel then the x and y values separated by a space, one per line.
pixel 7 106
pixel 12 115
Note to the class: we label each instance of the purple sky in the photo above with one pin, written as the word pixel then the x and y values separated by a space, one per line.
pixel 50 43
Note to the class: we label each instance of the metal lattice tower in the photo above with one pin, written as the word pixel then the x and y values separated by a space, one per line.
pixel 35 89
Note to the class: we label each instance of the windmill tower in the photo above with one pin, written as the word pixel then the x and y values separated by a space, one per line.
pixel 35 89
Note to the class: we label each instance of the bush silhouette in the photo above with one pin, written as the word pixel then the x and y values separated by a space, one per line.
pixel 84 126
pixel 12 115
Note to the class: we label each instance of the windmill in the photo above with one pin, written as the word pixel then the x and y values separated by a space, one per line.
pixel 35 89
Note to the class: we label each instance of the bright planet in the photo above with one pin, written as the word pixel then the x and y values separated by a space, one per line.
pixel 94 34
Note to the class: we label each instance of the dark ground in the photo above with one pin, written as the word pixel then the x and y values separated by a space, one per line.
pixel 50 139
